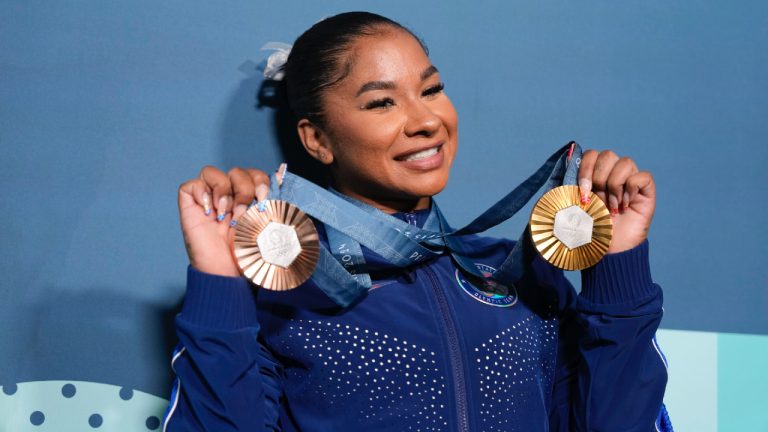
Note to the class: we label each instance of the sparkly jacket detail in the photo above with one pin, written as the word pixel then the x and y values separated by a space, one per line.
pixel 425 350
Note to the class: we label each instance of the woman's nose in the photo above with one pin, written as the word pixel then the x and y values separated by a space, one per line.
pixel 421 120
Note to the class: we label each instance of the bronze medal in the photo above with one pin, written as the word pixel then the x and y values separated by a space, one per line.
pixel 568 234
pixel 277 248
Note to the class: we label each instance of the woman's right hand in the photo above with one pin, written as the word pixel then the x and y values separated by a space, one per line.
pixel 207 206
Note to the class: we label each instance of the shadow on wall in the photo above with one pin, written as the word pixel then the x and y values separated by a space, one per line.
pixel 258 129
pixel 101 336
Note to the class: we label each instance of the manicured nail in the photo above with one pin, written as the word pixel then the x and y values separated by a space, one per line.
pixel 613 204
pixel 253 203
pixel 222 210
pixel 262 191
pixel 625 203
pixel 585 188
pixel 262 206
pixel 233 223
pixel 207 203
pixel 238 211
pixel 281 173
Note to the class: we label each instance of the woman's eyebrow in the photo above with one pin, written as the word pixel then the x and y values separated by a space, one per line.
pixel 428 72
pixel 389 85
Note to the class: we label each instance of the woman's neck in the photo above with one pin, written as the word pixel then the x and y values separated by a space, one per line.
pixel 389 205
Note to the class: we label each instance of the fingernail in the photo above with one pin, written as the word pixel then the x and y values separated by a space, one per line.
pixel 613 204
pixel 222 210
pixel 262 206
pixel 585 187
pixel 207 203
pixel 626 200
pixel 238 211
pixel 233 223
pixel 262 191
pixel 281 173
pixel 253 203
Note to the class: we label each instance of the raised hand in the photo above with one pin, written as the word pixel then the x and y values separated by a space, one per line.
pixel 629 193
pixel 208 205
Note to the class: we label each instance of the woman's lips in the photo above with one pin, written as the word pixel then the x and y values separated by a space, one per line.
pixel 427 159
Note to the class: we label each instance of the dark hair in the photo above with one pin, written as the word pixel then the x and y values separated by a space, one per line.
pixel 315 62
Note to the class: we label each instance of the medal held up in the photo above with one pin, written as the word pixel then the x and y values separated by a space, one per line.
pixel 277 246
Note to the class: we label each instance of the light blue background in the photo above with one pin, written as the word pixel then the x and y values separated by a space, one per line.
pixel 106 107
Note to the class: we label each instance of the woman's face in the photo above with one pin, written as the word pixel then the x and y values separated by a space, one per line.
pixel 391 129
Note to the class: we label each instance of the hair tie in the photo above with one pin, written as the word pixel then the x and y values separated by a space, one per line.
pixel 275 62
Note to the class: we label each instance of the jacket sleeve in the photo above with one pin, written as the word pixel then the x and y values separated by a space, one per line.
pixel 611 373
pixel 226 380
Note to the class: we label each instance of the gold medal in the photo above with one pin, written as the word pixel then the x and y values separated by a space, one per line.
pixel 568 234
pixel 277 248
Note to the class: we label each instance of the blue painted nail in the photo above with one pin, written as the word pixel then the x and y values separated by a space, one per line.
pixel 233 223
pixel 207 211
pixel 262 206
pixel 221 217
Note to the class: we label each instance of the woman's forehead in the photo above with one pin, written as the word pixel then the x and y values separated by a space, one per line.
pixel 391 56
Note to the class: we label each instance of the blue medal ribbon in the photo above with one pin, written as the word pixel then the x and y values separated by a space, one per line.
pixel 350 224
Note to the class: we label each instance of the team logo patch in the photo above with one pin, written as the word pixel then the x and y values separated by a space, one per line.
pixel 494 294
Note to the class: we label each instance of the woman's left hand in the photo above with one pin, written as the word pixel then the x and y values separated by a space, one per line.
pixel 629 193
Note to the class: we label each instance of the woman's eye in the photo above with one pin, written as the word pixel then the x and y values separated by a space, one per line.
pixel 434 90
pixel 380 103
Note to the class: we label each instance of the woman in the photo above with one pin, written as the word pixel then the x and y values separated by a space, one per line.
pixel 424 349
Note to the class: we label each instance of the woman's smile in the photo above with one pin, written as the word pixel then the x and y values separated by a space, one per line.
pixel 423 159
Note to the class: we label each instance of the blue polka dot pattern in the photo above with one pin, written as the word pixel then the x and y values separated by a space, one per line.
pixel 153 423
pixel 71 405
pixel 10 389
pixel 95 421
pixel 37 418
pixel 68 390
pixel 126 393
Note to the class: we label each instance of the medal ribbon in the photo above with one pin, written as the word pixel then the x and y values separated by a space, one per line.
pixel 350 224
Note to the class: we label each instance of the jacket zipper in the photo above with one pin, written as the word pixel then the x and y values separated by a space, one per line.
pixel 457 365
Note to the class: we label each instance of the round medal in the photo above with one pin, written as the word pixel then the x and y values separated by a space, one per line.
pixel 277 248
pixel 568 234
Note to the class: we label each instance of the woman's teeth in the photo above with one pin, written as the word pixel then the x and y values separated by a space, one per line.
pixel 422 154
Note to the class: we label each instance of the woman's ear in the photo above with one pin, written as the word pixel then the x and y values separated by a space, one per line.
pixel 315 141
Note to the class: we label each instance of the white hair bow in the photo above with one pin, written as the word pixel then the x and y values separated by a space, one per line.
pixel 275 62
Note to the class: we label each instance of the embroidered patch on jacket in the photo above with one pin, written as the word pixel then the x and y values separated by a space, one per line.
pixel 493 293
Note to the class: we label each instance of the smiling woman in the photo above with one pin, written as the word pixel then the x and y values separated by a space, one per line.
pixel 434 344
pixel 390 131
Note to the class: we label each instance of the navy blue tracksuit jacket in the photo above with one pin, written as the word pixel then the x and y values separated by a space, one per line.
pixel 426 350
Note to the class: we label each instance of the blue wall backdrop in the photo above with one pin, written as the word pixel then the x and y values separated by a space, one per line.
pixel 106 107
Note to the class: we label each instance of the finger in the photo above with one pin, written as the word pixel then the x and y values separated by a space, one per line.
pixel 258 188
pixel 640 183
pixel 621 171
pixel 587 166
pixel 603 167
pixel 261 181
pixel 242 186
pixel 195 193
pixel 221 190
pixel 281 173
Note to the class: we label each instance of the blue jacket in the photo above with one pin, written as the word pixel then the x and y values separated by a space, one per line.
pixel 426 350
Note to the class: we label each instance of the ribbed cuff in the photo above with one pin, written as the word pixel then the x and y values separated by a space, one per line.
pixel 618 278
pixel 218 301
